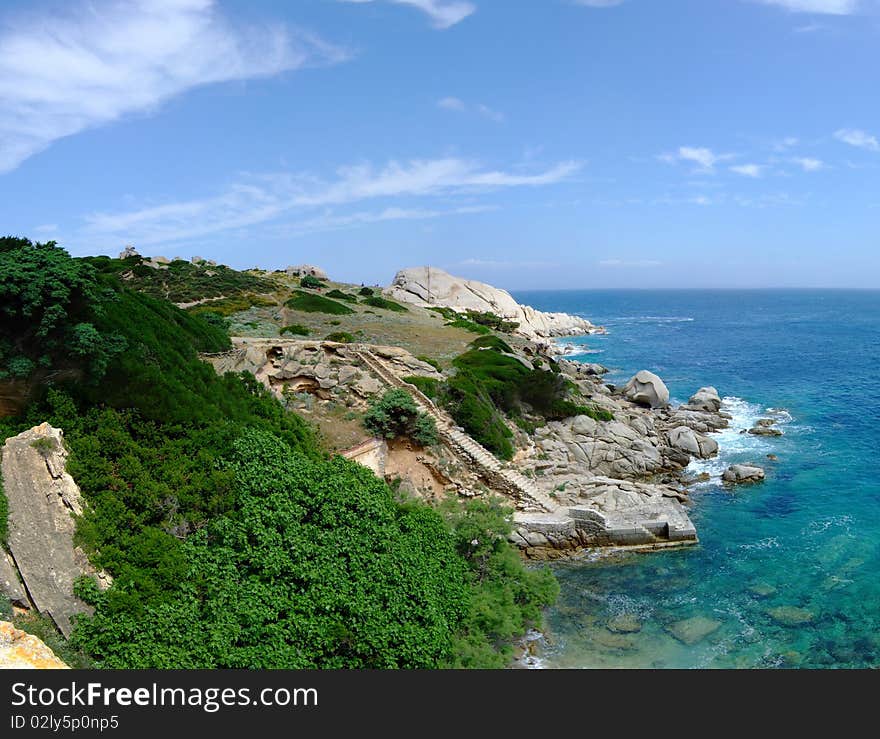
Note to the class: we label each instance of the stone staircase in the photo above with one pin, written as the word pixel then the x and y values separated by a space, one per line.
pixel 528 495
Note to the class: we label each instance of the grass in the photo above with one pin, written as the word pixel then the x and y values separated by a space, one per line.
pixel 339 295
pixel 341 337
pixel 492 342
pixel 428 360
pixel 308 303
pixel 295 329
pixel 428 385
pixel 376 302
pixel 228 306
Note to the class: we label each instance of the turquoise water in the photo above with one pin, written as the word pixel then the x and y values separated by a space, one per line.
pixel 787 572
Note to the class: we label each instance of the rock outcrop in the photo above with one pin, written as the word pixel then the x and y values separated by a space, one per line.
pixel 695 444
pixel 22 651
pixel 430 286
pixel 303 270
pixel 739 473
pixel 705 399
pixel 43 500
pixel 645 388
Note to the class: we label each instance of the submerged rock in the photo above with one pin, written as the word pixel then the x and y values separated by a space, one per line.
pixel 762 590
pixel 645 388
pixel 692 630
pixel 790 615
pixel 624 623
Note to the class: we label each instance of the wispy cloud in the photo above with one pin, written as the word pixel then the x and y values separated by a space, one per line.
pixel 46 228
pixel 629 263
pixel 330 221
pixel 787 143
pixel 704 158
pixel 263 198
pixel 809 164
pixel 821 7
pixel 460 106
pixel 443 13
pixel 95 63
pixel 748 170
pixel 858 138
pixel 808 28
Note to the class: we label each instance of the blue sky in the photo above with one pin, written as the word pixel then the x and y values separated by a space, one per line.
pixel 528 143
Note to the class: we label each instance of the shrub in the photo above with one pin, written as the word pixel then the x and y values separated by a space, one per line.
pixel 309 303
pixel 228 306
pixel 428 385
pixel 471 406
pixel 339 295
pixel 467 325
pixel 492 342
pixel 377 302
pixel 341 337
pixel 397 414
pixel 45 446
pixel 214 318
pixel 492 321
pixel 366 292
pixel 295 329
pixel 311 283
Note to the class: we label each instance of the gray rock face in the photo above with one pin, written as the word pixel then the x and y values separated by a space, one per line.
pixel 430 286
pixel 739 473
pixel 128 251
pixel 695 444
pixel 43 500
pixel 302 270
pixel 705 399
pixel 645 388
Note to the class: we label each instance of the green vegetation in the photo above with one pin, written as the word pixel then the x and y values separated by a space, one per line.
pixel 377 302
pixel 342 337
pixel 470 404
pixel 366 292
pixel 428 360
pixel 228 306
pixel 396 414
pixel 309 303
pixel 295 329
pixel 44 446
pixel 505 598
pixel 311 283
pixel 44 629
pixel 339 295
pixel 492 342
pixel 458 320
pixel 428 385
pixel 233 541
pixel 49 305
pixel 490 320
pixel 181 281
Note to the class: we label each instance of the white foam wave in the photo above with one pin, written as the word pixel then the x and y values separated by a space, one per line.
pixel 653 319
pixel 771 542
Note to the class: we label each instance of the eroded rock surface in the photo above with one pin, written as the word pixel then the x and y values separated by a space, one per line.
pixel 21 651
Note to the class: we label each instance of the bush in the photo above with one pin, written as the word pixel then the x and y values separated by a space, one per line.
pixel 341 337
pixel 295 329
pixel 384 303
pixel 492 321
pixel 366 292
pixel 216 319
pixel 471 406
pixel 397 414
pixel 311 283
pixel 339 295
pixel 467 325
pixel 492 342
pixel 428 385
pixel 44 446
pixel 229 306
pixel 309 303
pixel 316 567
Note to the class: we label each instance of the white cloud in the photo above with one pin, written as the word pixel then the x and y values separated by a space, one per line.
pixel 824 7
pixel 704 158
pixel 451 103
pixel 787 143
pixel 270 197
pixel 460 106
pixel 46 228
pixel 630 263
pixel 599 3
pixel 748 170
pixel 808 164
pixel 443 13
pixel 808 28
pixel 98 62
pixel 329 221
pixel 858 138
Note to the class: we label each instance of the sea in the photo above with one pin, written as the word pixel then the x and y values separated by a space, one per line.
pixel 787 571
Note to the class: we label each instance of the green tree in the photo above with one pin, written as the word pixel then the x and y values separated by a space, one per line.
pixel 397 414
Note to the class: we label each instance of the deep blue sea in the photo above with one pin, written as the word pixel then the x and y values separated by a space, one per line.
pixel 787 572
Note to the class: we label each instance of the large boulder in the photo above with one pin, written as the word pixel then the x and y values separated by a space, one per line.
pixel 738 473
pixel 645 388
pixel 688 440
pixel 705 399
pixel 430 286
pixel 43 501
pixel 21 651
pixel 306 270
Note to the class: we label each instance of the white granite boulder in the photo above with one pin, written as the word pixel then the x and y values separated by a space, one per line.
pixel 645 388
